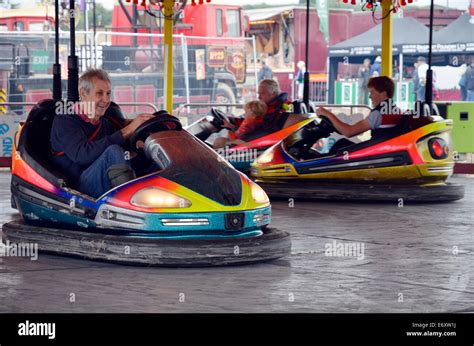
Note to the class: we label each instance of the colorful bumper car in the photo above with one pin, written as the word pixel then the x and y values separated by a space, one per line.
pixel 242 156
pixel 195 210
pixel 409 162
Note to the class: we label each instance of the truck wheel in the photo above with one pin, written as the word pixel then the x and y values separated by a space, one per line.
pixel 224 94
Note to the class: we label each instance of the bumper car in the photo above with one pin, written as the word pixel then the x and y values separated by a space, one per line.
pixel 410 162
pixel 195 210
pixel 242 156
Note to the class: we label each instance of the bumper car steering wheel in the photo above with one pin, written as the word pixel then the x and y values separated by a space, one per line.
pixel 310 134
pixel 219 118
pixel 326 125
pixel 161 122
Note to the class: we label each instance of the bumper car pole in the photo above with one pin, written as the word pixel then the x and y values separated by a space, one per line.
pixel 306 72
pixel 73 64
pixel 57 91
pixel 168 68
pixel 386 38
pixel 429 73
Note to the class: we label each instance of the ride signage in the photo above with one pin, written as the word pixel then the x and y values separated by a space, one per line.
pixel 216 56
pixel 236 64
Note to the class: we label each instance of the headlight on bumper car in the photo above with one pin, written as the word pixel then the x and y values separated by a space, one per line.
pixel 152 197
pixel 266 157
pixel 258 194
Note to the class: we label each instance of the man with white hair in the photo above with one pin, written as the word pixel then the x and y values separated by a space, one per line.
pixel 86 147
pixel 277 102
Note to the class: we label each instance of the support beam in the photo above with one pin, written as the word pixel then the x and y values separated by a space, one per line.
pixel 306 73
pixel 168 68
pixel 386 39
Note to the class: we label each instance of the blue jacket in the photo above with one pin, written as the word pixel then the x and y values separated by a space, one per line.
pixel 375 67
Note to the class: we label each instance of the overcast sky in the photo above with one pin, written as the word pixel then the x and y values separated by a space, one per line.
pixel 461 4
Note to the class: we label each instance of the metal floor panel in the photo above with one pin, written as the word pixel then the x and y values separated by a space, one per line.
pixel 416 258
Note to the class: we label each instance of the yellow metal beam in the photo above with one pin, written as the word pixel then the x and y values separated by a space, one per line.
pixel 168 68
pixel 386 39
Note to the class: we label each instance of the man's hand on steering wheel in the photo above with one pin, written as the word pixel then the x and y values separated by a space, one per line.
pixel 160 121
pixel 321 111
pixel 128 130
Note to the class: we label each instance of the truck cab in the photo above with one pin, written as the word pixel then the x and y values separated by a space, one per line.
pixel 210 20
pixel 39 18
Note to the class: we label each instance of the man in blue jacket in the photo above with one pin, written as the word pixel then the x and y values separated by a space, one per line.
pixel 86 147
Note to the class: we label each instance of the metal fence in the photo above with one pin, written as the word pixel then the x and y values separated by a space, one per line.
pixel 318 91
pixel 205 69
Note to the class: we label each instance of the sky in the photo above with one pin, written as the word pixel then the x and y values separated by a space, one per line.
pixel 460 4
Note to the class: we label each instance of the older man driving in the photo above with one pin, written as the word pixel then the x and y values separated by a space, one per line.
pixel 86 147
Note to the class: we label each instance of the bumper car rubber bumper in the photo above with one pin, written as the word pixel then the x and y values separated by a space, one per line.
pixel 363 192
pixel 145 250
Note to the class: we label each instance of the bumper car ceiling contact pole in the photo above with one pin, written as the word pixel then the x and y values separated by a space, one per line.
pixel 57 88
pixel 386 38
pixel 429 73
pixel 168 68
pixel 73 65
pixel 306 72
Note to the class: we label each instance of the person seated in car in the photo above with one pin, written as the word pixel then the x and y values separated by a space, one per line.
pixel 86 147
pixel 254 114
pixel 383 115
pixel 277 102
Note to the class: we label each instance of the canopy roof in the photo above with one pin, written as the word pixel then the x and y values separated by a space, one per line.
pixel 409 36
pixel 269 12
pixel 457 36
